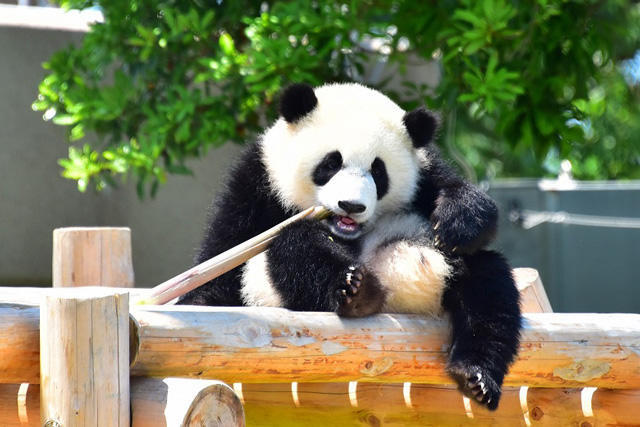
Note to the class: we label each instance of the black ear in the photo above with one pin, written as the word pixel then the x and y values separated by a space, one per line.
pixel 422 126
pixel 297 101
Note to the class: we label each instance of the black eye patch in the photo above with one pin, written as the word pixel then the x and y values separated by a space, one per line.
pixel 380 177
pixel 327 168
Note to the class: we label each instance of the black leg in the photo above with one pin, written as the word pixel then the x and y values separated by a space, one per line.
pixel 313 270
pixel 483 302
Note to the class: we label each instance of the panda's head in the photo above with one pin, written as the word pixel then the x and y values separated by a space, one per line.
pixel 348 148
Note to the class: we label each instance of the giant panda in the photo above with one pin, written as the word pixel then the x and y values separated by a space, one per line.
pixel 406 233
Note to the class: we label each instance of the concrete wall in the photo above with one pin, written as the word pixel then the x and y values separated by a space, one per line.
pixel 34 199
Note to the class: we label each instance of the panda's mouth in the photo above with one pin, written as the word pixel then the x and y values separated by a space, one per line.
pixel 344 226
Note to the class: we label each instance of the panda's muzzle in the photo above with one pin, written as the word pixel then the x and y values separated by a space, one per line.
pixel 344 227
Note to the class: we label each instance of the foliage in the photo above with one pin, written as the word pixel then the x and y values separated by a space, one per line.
pixel 523 85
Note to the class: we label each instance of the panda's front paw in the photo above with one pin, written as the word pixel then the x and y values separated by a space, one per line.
pixel 358 293
pixel 463 229
pixel 476 383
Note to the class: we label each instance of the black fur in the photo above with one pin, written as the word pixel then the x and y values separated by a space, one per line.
pixel 245 207
pixel 483 302
pixel 464 218
pixel 327 168
pixel 421 125
pixel 380 177
pixel 297 101
pixel 323 283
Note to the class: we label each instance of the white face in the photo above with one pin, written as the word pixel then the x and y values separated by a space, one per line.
pixel 367 130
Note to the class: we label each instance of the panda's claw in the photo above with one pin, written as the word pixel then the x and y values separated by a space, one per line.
pixel 359 293
pixel 476 383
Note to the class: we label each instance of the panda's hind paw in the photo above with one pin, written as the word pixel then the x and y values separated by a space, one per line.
pixel 359 293
pixel 476 383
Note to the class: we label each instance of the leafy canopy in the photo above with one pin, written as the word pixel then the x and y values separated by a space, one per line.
pixel 523 85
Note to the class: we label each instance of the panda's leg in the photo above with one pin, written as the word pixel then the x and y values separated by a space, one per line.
pixel 314 271
pixel 483 302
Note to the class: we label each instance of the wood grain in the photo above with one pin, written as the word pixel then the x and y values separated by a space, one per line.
pixel 171 402
pixel 398 404
pixel 92 256
pixel 84 359
pixel 277 345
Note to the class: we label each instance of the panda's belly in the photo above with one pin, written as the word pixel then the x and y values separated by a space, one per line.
pixel 413 275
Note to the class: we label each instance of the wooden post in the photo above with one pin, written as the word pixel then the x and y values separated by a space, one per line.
pixel 533 298
pixel 184 402
pixel 84 357
pixel 92 256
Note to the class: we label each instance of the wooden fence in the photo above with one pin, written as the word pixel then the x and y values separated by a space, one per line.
pixel 91 356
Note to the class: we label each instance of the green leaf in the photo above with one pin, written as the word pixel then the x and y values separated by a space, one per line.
pixel 226 44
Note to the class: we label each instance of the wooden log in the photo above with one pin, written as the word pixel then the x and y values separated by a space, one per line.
pixel 20 332
pixel 19 323
pixel 277 345
pixel 92 256
pixel 322 404
pixel 410 404
pixel 184 402
pixel 533 298
pixel 19 343
pixel 19 405
pixel 84 360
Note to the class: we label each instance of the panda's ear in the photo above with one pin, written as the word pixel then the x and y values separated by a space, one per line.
pixel 297 101
pixel 421 125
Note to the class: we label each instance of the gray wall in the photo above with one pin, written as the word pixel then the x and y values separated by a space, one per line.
pixel 583 268
pixel 34 199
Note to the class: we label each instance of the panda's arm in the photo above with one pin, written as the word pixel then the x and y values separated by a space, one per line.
pixel 244 208
pixel 312 270
pixel 464 219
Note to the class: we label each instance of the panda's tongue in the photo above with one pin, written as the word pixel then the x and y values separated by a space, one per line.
pixel 347 224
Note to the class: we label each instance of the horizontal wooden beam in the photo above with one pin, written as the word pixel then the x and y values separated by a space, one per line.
pixel 159 402
pixel 20 332
pixel 277 345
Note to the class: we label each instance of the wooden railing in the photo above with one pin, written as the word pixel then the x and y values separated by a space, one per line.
pixel 293 368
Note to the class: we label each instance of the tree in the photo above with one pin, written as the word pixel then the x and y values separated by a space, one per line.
pixel 524 84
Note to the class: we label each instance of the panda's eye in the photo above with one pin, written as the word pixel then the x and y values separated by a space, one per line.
pixel 380 177
pixel 327 168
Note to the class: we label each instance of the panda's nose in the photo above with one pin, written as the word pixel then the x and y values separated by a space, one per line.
pixel 351 207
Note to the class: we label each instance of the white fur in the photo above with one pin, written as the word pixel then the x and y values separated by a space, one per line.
pixel 361 124
pixel 257 287
pixel 353 185
pixel 412 272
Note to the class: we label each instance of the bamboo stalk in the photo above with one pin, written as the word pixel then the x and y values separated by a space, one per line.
pixel 220 264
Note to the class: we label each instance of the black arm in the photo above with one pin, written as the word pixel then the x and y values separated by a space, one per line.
pixel 464 219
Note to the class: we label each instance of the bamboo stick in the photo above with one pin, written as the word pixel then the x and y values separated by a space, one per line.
pixel 84 357
pixel 92 256
pixel 220 264
pixel 184 402
pixel 275 345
